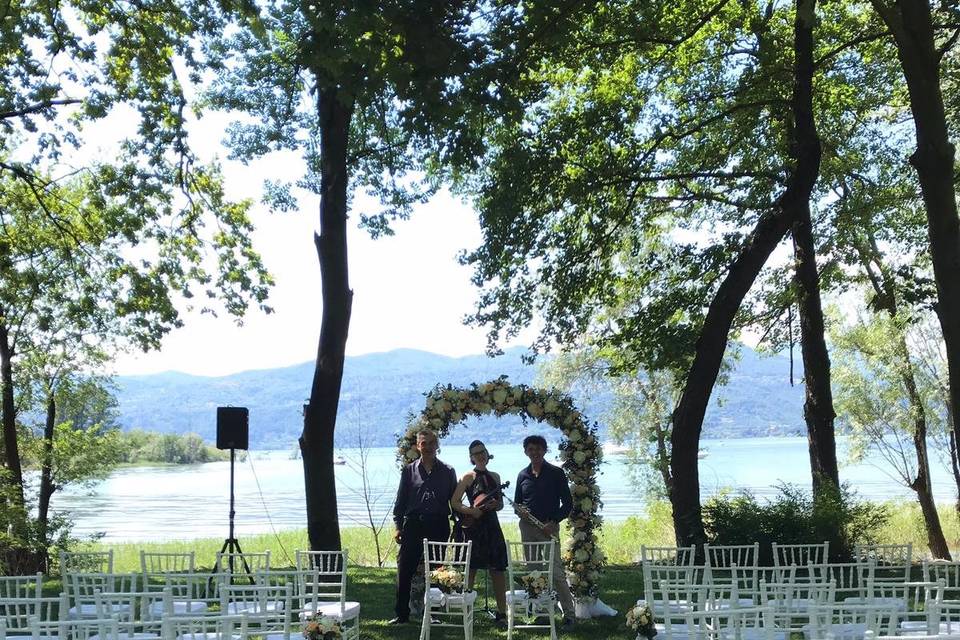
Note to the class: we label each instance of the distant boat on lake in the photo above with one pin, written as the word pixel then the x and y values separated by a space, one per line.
pixel 339 460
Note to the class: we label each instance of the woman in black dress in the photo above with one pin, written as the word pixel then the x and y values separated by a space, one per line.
pixel 478 522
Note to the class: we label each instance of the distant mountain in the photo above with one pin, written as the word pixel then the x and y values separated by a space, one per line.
pixel 380 390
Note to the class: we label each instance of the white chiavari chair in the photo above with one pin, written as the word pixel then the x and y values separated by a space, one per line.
pixel 157 563
pixel 845 621
pixel 81 589
pixel 791 602
pixel 205 627
pixel 322 589
pixel 449 610
pixel 531 559
pixel 800 557
pixel 268 608
pixel 668 556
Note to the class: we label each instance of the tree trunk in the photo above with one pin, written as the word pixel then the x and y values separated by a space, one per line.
pixel 955 467
pixel 320 414
pixel 818 410
pixel 911 23
pixel 46 471
pixel 885 299
pixel 771 228
pixel 11 449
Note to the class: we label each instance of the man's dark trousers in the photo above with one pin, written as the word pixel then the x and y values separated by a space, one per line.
pixel 415 529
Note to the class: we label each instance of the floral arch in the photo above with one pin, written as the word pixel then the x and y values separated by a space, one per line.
pixel 580 451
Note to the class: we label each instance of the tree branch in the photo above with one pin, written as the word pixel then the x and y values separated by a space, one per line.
pixel 38 107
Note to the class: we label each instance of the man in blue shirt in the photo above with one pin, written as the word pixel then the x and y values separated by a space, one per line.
pixel 422 510
pixel 543 492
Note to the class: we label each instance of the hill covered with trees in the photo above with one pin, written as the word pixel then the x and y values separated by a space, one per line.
pixel 381 389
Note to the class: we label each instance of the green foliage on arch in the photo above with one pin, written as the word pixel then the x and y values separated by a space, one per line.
pixel 580 451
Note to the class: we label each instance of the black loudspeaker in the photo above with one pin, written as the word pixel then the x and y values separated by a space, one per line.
pixel 233 427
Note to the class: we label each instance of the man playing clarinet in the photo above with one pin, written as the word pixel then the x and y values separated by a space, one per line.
pixel 543 499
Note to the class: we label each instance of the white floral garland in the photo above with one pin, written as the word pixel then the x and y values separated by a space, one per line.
pixel 580 451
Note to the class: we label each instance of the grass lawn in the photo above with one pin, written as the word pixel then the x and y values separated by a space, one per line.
pixel 374 589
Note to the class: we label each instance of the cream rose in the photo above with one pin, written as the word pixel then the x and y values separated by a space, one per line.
pixel 574 435
pixel 500 396
pixel 579 457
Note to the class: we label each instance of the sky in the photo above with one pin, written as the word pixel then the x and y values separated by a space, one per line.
pixel 409 290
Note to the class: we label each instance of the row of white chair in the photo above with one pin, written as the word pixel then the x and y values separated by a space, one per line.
pixel 456 609
pixel 141 601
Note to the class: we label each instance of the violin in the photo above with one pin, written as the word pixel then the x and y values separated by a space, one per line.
pixel 480 501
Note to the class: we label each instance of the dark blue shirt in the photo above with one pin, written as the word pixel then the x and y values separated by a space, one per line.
pixel 547 496
pixel 422 493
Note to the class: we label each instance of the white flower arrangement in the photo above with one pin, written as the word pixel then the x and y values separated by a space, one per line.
pixel 447 579
pixel 580 453
pixel 640 620
pixel 322 628
pixel 535 584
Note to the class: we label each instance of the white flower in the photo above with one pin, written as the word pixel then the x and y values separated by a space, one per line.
pixel 534 409
pixel 574 435
pixel 597 555
pixel 550 405
pixel 586 504
pixel 579 457
pixel 500 396
pixel 581 555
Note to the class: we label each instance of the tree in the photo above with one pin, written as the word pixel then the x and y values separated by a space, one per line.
pixel 880 399
pixel 638 416
pixel 915 34
pixel 664 154
pixel 359 89
pixel 64 217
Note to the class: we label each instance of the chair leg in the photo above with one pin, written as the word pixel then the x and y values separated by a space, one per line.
pixel 553 620
pixel 425 624
pixel 510 621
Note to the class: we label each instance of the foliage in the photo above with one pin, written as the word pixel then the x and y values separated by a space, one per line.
pixel 636 415
pixel 794 517
pixel 580 451
pixel 139 446
pixel 871 399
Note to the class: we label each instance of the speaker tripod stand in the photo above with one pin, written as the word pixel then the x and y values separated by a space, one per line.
pixel 231 546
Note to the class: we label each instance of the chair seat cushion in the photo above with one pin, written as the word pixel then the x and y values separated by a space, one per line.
pixel 234 608
pixel 331 610
pixel 919 627
pixel 459 599
pixel 139 635
pixel 89 610
pixel 209 635
pixel 517 595
pixel 898 604
pixel 180 607
pixel 727 603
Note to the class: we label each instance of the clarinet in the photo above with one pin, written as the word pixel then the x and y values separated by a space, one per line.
pixel 524 514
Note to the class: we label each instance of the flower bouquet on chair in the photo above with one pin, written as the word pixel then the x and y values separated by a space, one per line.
pixel 447 580
pixel 640 620
pixel 322 628
pixel 535 584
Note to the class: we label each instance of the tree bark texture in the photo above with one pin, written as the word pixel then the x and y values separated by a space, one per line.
pixel 320 413
pixel 911 23
pixel 769 231
pixel 818 410
pixel 11 450
pixel 46 470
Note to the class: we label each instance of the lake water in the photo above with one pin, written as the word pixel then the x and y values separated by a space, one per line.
pixel 192 501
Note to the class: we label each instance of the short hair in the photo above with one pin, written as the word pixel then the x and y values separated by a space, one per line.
pixel 535 439
pixel 427 433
